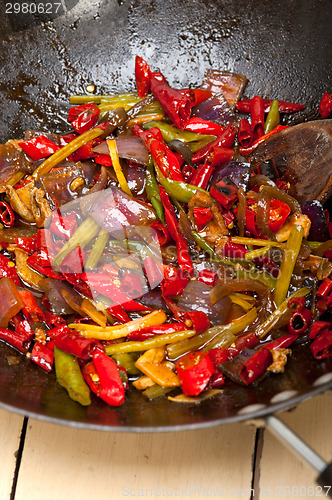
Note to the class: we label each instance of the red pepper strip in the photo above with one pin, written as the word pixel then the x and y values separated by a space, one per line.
pixel 43 355
pixel 39 147
pixel 22 326
pixel 318 327
pixel 218 355
pixel 118 313
pixel 202 175
pixel 197 320
pixel 300 322
pixel 151 331
pixel 187 173
pixel 44 238
pixel 7 269
pixel 131 285
pixel 321 347
pixel 324 288
pixel 208 277
pixel 282 342
pixel 245 133
pixel 176 105
pixel 201 126
pixel 75 112
pixel 74 260
pixel 202 216
pixel 225 139
pixel 103 159
pixel 102 284
pixel 86 119
pixel 325 106
pixel 174 282
pixel 247 341
pixel 256 365
pixel 74 344
pixel 7 216
pixel 250 149
pixel 66 139
pixel 183 255
pixel 225 192
pixel 217 380
pixel 31 309
pixel 220 154
pixel 257 117
pixel 90 376
pixel 177 311
pixel 234 250
pixel 26 243
pixel 196 97
pixel 112 271
pixel 37 262
pixel 162 233
pixel 166 160
pixel 284 107
pixel 152 271
pixel 142 76
pixel 229 218
pixel 52 319
pixel 296 303
pixel 147 135
pixel 278 213
pixel 194 371
pixel 112 390
pixel 16 340
pixel 61 226
pixel 85 152
pixel 79 285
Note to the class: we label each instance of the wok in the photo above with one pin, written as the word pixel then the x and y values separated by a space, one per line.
pixel 283 47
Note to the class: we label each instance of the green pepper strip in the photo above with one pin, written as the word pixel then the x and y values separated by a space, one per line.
pixel 196 145
pixel 158 341
pixel 127 361
pixel 152 191
pixel 273 319
pixel 66 151
pixel 97 249
pixel 171 133
pixel 156 391
pixel 69 375
pixel 202 243
pixel 273 117
pixel 220 333
pixel 288 261
pixel 83 99
pixel 178 190
pixel 82 236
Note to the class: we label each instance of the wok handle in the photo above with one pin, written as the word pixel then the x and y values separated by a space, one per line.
pixel 286 435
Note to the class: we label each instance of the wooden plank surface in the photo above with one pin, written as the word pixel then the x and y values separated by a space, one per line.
pixel 282 474
pixel 10 432
pixel 60 462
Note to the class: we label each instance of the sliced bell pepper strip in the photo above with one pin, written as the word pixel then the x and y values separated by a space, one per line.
pixel 39 147
pixel 194 371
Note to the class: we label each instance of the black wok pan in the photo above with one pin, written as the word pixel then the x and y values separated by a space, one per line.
pixel 283 47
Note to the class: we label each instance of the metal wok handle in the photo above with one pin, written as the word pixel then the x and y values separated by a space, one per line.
pixel 286 435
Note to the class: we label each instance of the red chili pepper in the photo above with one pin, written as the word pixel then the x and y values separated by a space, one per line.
pixel 201 126
pixel 43 355
pixel 218 155
pixel 111 387
pixel 218 355
pixel 85 152
pixel 44 238
pixel 151 331
pixel 325 288
pixel 225 139
pixel 79 285
pixel 7 269
pixel 255 366
pixel 26 243
pixel 31 309
pixel 196 97
pixel 7 216
pixel 131 285
pixel 300 322
pixel 147 135
pixel 162 233
pixel 174 282
pixel 177 311
pixel 325 106
pixel 103 159
pixel 53 320
pixel 72 343
pixel 183 255
pixel 16 340
pixel 39 147
pixel 284 107
pixel 217 380
pixel 229 218
pixel 22 326
pixel 197 320
pixel 318 327
pixel 282 342
pixel 117 311
pixel 234 250
pixel 245 134
pixel 152 271
pixel 250 149
pixel 225 192
pixel 321 347
pixel 90 376
pixel 40 262
pixel 194 371
pixel 188 172
pixel 142 76
pixel 208 277
pixel 166 160
pixel 202 216
pixel 247 341
pixel 278 213
pixel 257 117
pixel 86 119
pixel 61 226
pixel 202 175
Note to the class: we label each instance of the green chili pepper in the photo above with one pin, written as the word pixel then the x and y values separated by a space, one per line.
pixel 156 391
pixel 202 243
pixel 127 361
pixel 171 133
pixel 178 190
pixel 273 117
pixel 196 145
pixel 151 185
pixel 69 375
pixel 83 99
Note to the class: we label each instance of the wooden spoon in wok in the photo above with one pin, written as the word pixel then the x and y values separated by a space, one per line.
pixel 303 156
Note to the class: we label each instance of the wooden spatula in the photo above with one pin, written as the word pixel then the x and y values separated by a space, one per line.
pixel 303 156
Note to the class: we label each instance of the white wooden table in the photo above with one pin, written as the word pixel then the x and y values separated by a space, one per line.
pixel 42 461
